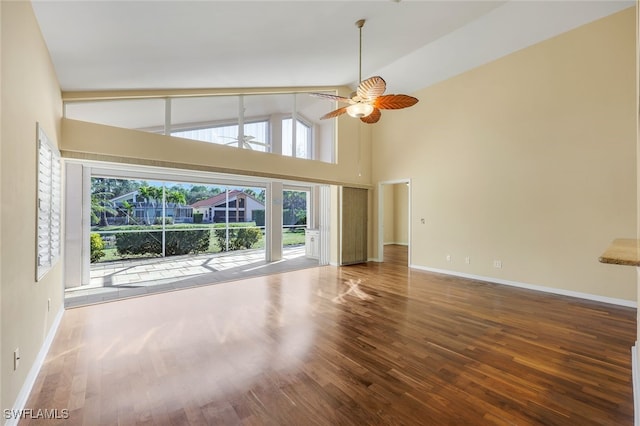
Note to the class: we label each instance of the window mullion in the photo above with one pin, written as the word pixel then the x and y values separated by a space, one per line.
pixel 164 218
pixel 226 218
pixel 241 121
pixel 294 120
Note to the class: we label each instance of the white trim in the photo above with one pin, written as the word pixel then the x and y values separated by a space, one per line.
pixel 636 384
pixel 25 391
pixel 374 259
pixel 324 223
pixel 137 171
pixel 396 244
pixel 85 224
pixel 544 289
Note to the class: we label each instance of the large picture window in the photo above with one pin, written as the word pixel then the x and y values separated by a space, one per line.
pixel 133 219
pixel 143 231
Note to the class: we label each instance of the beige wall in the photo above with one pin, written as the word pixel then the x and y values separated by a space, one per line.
pixel 1 245
pixel 30 94
pixel 529 160
pixel 396 203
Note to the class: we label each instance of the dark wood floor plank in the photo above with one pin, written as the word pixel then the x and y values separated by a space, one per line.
pixel 365 344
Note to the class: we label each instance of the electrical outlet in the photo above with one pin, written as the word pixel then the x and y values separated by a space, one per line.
pixel 448 257
pixel 467 260
pixel 497 264
pixel 16 359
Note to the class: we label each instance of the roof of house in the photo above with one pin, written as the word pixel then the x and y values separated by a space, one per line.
pixel 124 196
pixel 221 198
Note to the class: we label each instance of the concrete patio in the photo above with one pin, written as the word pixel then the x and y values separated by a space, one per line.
pixel 129 278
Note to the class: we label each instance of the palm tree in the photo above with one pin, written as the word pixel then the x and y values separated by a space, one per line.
pixel 129 208
pixel 100 207
pixel 177 198
pixel 150 193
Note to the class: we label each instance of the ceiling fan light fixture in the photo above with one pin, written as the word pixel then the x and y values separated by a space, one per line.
pixel 368 99
pixel 359 110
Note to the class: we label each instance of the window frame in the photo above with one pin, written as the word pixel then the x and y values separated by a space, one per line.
pixel 308 124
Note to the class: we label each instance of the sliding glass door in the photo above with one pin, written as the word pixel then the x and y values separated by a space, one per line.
pixel 135 219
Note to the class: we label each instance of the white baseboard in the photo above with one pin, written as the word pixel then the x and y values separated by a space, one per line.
pixel 588 296
pixel 396 244
pixel 25 391
pixel 636 384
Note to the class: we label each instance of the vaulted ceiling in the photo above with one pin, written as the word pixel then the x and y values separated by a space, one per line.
pixel 109 45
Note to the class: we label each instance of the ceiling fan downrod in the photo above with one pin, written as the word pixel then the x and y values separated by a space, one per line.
pixel 360 24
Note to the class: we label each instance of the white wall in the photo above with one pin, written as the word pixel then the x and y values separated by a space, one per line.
pixel 251 205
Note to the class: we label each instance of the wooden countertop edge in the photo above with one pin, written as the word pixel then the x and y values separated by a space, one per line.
pixel 622 251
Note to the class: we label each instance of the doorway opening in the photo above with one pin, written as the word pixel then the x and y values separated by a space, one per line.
pixel 394 217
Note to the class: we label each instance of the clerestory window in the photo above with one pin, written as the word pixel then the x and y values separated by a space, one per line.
pixel 255 135
pixel 296 143
pixel 279 123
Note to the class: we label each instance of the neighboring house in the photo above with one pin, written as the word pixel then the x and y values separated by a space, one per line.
pixel 144 212
pixel 241 207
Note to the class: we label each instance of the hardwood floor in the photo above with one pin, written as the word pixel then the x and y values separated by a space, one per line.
pixel 364 344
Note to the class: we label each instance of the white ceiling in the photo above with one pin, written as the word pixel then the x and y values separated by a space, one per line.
pixel 108 45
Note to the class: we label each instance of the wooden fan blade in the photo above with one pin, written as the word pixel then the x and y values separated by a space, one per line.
pixel 334 113
pixel 371 88
pixel 331 97
pixel 394 101
pixel 372 118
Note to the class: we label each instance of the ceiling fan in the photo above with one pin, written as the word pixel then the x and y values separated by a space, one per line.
pixel 243 140
pixel 246 141
pixel 368 99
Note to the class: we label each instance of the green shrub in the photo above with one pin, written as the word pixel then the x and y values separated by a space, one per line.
pixel 197 217
pixel 184 242
pixel 239 238
pixel 97 248
pixel 176 242
pixel 247 237
pixel 301 217
pixel 136 243
pixel 168 221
